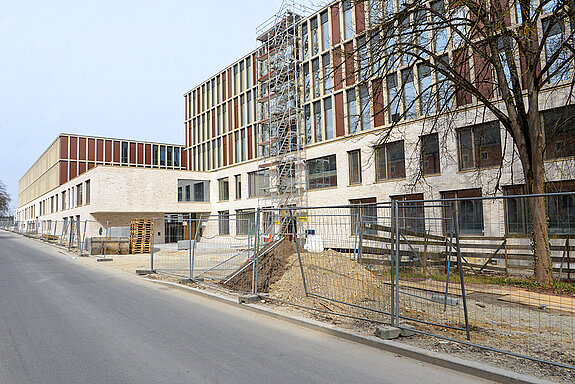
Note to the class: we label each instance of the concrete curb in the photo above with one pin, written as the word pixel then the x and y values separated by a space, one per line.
pixel 438 359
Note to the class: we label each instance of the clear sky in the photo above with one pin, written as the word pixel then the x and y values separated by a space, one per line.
pixel 116 68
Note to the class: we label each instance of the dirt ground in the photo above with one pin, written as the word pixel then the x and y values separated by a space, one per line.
pixel 281 278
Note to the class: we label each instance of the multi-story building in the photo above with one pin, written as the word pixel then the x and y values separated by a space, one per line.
pixel 300 121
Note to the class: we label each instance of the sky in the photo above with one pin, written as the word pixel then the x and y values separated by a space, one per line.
pixel 112 68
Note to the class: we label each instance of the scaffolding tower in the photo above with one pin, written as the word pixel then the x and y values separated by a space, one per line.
pixel 281 137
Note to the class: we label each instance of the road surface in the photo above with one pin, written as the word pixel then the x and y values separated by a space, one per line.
pixel 67 320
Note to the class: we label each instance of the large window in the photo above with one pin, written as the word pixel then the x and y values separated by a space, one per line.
pixel 238 183
pixel 354 164
pixel 322 172
pixel 224 189
pixel 347 20
pixel 259 183
pixel 390 161
pixel 479 146
pixel 411 212
pixel 78 195
pixel 328 118
pixel 224 222
pixel 469 212
pixel 245 221
pixel 559 126
pixel 559 69
pixel 86 192
pixel 363 211
pixel 124 152
pixel 430 164
pixel 324 31
pixel 199 192
pixel 351 111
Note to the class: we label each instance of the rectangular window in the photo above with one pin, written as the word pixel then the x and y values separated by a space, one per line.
pixel 326 73
pixel 408 93
pixel 176 157
pixel 411 212
pixel 351 111
pixel 425 89
pixel 308 131
pixel 354 164
pixel 245 221
pixel 224 190
pixel 362 212
pixel 238 182
pixel 317 121
pixel 259 183
pixel 389 161
pixel 124 152
pixel 224 222
pixel 243 144
pixel 322 172
pixel 559 70
pixel 305 41
pixel 199 192
pixel 242 65
pixel 559 128
pixel 162 155
pixel 469 212
pixel 64 205
pixel 479 146
pixel 316 77
pixel 439 28
pixel 365 109
pixel 235 79
pixel 87 192
pixel 188 193
pixel 170 151
pixel 78 195
pixel 328 118
pixel 363 59
pixel 314 36
pixel 242 108
pixel 180 194
pixel 324 31
pixel 430 164
pixel 347 20
pixel 306 82
pixel 393 97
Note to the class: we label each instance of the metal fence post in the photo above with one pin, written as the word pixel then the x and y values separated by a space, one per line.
pixel 152 247
pixel 106 240
pixel 460 268
pixel 397 261
pixel 298 252
pixel 71 235
pixel 190 247
pixel 256 253
pixel 83 237
pixel 392 262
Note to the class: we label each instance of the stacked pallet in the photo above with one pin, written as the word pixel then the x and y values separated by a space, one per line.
pixel 140 235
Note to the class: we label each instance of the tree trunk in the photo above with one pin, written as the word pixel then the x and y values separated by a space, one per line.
pixel 540 230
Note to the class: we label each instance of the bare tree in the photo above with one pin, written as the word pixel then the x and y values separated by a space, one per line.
pixel 4 200
pixel 497 58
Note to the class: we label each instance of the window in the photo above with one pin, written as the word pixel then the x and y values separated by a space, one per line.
pixel 176 157
pixel 322 172
pixel 364 106
pixel 393 97
pixel 469 212
pixel 559 70
pixel 411 212
pixel 560 209
pixel 324 31
pixel 170 151
pixel 425 90
pixel 180 194
pixel 243 145
pixel 389 161
pixel 314 36
pixel 199 192
pixel 316 77
pixel 78 195
pixel 224 222
pixel 326 73
pixel 363 61
pixel 258 183
pixel 351 111
pixel 430 164
pixel 440 31
pixel 238 182
pixel 87 192
pixel 559 127
pixel 363 211
pixel 408 93
pixel 347 20
pixel 188 192
pixel 124 152
pixel 245 221
pixel 224 189
pixel 317 121
pixel 306 85
pixel 162 155
pixel 308 131
pixel 328 118
pixel 305 42
pixel 479 146
pixel 354 164
pixel 64 201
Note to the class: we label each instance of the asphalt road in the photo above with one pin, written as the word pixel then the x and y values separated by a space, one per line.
pixel 65 320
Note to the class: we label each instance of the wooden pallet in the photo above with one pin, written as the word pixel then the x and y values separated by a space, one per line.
pixel 140 235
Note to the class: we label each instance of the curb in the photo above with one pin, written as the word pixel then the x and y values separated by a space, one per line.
pixel 438 359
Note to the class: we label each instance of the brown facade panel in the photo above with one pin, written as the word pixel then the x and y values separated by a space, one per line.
pixel 339 115
pixel 81 168
pixel 231 148
pixel 73 169
pixel 73 148
pixel 229 83
pixel 82 148
pixel 108 157
pixel 148 154
pixel 91 149
pixel 184 157
pixel 132 153
pixel 91 165
pixel 349 64
pixel 359 17
pixel 378 103
pixel 250 144
pixel 99 150
pixel 116 151
pixel 63 172
pixel 213 123
pixel 254 68
pixel 64 147
pixel 336 34
pixel 236 114
pixel 140 153
pixel 186 97
pixel 230 114
pixel 225 151
pixel 337 72
pixel 224 89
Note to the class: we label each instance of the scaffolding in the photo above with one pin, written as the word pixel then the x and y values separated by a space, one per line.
pixel 280 134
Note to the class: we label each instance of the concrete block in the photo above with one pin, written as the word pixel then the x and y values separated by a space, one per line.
pixel 443 300
pixel 407 330
pixel 184 244
pixel 249 299
pixel 104 259
pixel 387 332
pixel 145 271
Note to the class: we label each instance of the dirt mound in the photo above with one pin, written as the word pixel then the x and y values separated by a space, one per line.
pixel 333 275
pixel 271 267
